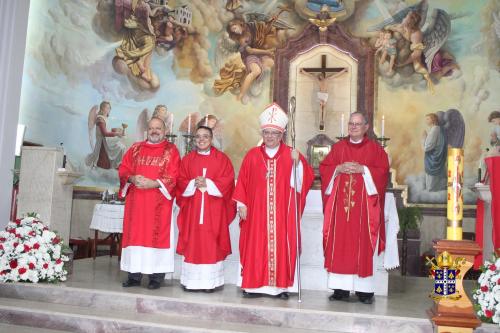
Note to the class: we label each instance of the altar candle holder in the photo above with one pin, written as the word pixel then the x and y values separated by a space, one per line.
pixel 171 138
pixel 383 141
pixel 188 143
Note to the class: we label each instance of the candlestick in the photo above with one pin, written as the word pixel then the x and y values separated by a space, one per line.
pixel 206 120
pixel 383 125
pixel 342 125
pixel 171 123
pixel 189 123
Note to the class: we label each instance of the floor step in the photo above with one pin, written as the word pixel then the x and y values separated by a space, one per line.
pixel 74 318
pixel 7 328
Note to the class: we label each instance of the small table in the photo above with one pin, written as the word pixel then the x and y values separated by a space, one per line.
pixel 108 218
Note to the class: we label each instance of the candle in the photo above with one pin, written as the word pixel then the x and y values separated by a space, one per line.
pixel 383 125
pixel 171 123
pixel 206 120
pixel 189 123
pixel 342 125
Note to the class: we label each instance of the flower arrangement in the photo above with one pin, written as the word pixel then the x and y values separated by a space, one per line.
pixel 30 252
pixel 487 296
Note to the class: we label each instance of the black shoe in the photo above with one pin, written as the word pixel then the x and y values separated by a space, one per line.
pixel 208 291
pixel 366 300
pixel 283 295
pixel 131 283
pixel 154 285
pixel 340 295
pixel 251 295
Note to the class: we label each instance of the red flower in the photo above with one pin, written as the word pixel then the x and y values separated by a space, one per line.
pixel 45 228
pixel 18 236
pixel 3 272
pixel 31 265
pixel 498 282
pixel 26 248
pixel 56 240
pixel 2 239
pixel 493 267
pixel 58 261
pixel 45 266
pixel 484 289
pixel 1 246
pixel 36 246
pixel 15 244
pixel 22 270
pixel 488 313
pixel 13 264
pixel 18 221
pixel 12 231
pixel 32 233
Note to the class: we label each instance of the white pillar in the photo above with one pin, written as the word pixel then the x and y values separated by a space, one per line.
pixel 13 27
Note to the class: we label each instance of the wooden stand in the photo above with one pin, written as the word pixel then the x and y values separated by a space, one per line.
pixel 456 316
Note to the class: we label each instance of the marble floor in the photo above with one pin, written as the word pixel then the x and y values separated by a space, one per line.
pixel 92 300
pixel 408 296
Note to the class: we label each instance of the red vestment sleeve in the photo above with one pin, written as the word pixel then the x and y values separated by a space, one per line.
pixel 126 168
pixel 240 191
pixel 493 164
pixel 170 169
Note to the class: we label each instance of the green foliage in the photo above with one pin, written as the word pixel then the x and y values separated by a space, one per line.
pixel 409 218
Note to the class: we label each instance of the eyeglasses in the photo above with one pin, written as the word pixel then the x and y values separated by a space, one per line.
pixel 356 124
pixel 199 137
pixel 273 134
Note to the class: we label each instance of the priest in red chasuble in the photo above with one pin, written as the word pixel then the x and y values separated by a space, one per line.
pixel 148 175
pixel 204 190
pixel 354 176
pixel 265 197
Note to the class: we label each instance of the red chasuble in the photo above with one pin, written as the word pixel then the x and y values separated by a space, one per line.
pixel 267 236
pixel 209 242
pixel 146 221
pixel 353 220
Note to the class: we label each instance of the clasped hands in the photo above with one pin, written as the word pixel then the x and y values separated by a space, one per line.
pixel 200 182
pixel 350 168
pixel 143 182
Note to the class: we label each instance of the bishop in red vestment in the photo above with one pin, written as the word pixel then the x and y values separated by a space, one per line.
pixel 266 205
pixel 148 175
pixel 354 176
pixel 204 190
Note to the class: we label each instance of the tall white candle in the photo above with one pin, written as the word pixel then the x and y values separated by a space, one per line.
pixel 342 120
pixel 383 125
pixel 171 123
pixel 189 123
pixel 206 120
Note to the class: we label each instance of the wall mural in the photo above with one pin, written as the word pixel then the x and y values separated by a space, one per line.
pixel 97 70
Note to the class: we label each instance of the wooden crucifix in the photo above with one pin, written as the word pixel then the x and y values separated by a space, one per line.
pixel 322 79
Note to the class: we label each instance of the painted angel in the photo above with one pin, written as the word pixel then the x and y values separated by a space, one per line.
pixel 107 149
pixel 208 120
pixel 255 39
pixel 426 53
pixel 161 112
pixel 445 129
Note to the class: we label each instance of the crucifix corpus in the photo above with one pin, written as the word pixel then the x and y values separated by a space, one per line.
pixel 321 77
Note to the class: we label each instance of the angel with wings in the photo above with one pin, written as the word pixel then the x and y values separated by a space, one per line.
pixel 426 54
pixel 144 117
pixel 107 149
pixel 255 39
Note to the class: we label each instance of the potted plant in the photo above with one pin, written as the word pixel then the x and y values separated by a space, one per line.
pixel 409 219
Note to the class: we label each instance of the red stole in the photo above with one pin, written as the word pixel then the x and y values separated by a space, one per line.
pixel 353 220
pixel 268 236
pixel 209 242
pixel 147 216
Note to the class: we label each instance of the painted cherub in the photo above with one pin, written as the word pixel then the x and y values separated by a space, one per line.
pixel 386 44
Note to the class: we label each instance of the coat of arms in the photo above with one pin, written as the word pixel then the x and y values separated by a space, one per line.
pixel 445 272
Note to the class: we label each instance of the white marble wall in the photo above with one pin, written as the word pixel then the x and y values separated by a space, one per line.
pixel 13 25
pixel 41 190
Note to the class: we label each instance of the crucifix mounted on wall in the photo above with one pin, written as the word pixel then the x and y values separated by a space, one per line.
pixel 322 76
